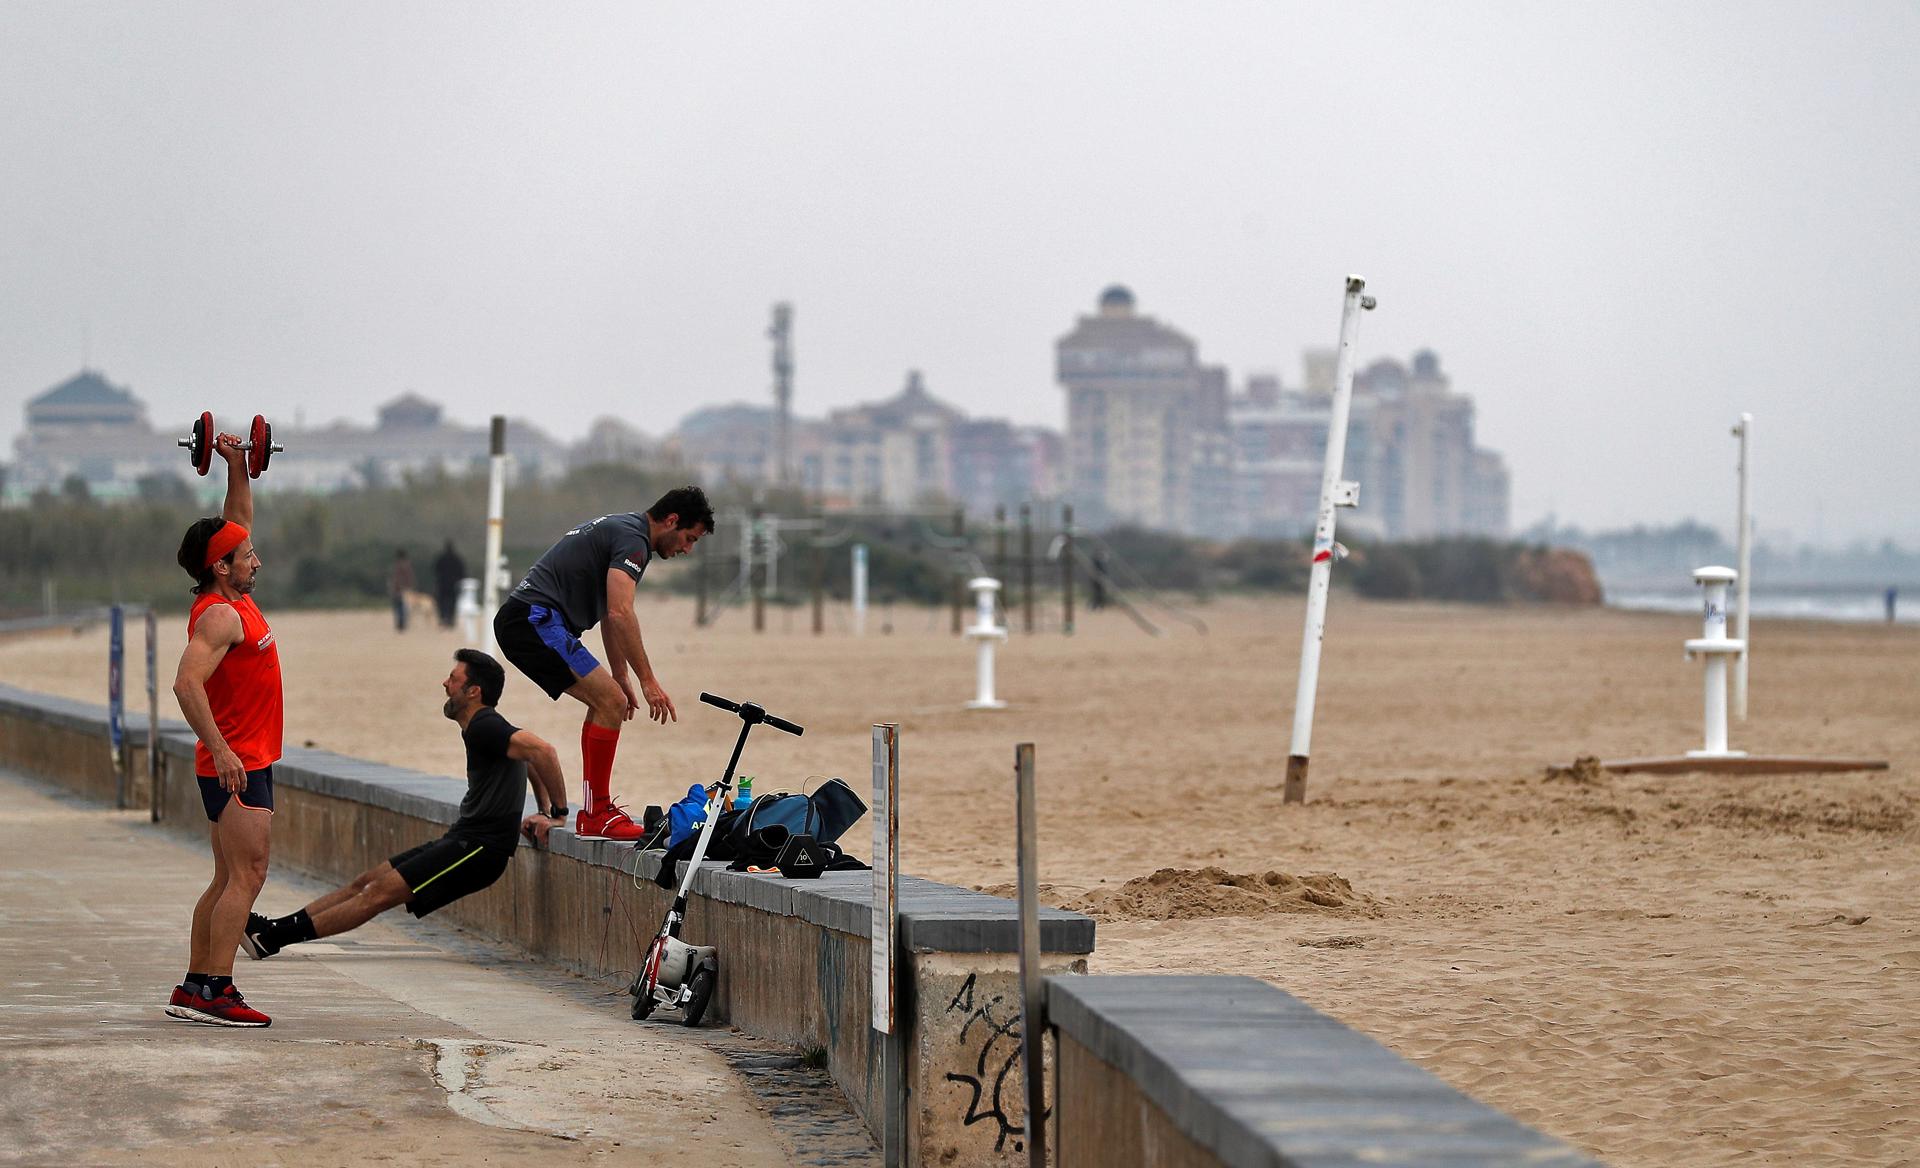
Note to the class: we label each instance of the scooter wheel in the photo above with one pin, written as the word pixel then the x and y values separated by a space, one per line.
pixel 642 1006
pixel 699 993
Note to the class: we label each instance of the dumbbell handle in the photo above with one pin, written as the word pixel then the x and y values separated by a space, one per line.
pixel 276 447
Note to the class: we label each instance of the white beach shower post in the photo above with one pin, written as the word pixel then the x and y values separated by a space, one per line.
pixel 985 635
pixel 1714 644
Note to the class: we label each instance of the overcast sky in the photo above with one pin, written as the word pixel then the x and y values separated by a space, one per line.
pixel 1618 224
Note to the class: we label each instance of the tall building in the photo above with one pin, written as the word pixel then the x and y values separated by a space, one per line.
pixel 1411 447
pixel 1147 435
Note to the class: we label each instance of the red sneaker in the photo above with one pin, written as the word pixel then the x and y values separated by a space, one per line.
pixel 229 1009
pixel 182 1001
pixel 610 824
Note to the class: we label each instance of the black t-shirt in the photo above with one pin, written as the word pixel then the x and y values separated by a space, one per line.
pixel 571 578
pixel 496 785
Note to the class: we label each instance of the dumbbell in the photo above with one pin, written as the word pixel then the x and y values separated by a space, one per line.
pixel 259 445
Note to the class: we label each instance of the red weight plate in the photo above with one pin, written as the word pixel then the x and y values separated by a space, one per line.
pixel 202 450
pixel 257 447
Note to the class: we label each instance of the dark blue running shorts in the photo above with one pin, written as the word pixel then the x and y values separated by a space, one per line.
pixel 257 797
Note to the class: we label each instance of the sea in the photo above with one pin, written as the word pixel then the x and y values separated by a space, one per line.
pixel 1855 605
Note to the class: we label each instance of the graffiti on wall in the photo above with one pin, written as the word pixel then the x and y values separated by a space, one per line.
pixel 994 1093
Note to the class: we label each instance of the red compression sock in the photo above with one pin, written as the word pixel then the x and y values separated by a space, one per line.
pixel 597 746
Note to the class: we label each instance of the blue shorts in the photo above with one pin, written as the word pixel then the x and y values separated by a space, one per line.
pixel 540 645
pixel 257 797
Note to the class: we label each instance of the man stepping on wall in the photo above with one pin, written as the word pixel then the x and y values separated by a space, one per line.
pixel 586 578
pixel 501 760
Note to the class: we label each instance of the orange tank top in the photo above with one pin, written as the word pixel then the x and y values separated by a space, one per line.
pixel 244 690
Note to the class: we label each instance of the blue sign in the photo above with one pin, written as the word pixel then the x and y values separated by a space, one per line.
pixel 116 662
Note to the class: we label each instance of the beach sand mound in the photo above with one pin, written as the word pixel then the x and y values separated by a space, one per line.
pixel 1173 894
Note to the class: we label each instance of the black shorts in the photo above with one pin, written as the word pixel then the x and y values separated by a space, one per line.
pixel 257 797
pixel 447 869
pixel 545 650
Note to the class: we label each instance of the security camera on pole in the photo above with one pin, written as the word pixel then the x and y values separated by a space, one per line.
pixel 1334 492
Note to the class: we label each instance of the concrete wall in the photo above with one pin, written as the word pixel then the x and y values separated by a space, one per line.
pixel 1192 1070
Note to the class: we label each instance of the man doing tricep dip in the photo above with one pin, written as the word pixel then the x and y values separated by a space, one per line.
pixel 476 849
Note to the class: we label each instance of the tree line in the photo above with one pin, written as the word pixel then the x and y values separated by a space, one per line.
pixel 337 550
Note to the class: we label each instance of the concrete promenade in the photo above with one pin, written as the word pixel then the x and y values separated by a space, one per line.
pixel 401 1042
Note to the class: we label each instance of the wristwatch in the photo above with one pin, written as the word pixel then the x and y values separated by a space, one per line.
pixel 557 811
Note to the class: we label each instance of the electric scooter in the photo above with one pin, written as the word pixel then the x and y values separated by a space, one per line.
pixel 676 974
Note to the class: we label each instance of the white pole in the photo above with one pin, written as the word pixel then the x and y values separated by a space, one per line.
pixel 859 589
pixel 1334 492
pixel 496 528
pixel 1740 628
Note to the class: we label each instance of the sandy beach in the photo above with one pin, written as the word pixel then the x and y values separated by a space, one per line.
pixel 1678 970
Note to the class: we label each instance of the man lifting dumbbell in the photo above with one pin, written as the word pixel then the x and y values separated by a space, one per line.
pixel 228 687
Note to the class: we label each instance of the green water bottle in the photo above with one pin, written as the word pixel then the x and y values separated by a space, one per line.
pixel 743 798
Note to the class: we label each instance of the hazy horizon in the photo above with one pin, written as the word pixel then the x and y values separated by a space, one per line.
pixel 1619 226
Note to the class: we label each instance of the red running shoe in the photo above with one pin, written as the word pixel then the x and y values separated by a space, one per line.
pixel 229 1009
pixel 182 1001
pixel 610 824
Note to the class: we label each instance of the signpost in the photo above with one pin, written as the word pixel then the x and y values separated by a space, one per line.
pixel 885 935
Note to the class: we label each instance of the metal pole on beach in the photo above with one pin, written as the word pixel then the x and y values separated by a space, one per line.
pixel 1334 492
pixel 496 528
pixel 153 725
pixel 116 701
pixel 1033 991
pixel 1744 432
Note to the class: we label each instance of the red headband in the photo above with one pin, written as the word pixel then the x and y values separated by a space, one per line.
pixel 224 541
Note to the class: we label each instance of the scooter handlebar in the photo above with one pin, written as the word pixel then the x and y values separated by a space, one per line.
pixel 778 723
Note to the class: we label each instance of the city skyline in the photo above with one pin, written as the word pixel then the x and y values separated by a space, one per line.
pixel 1621 226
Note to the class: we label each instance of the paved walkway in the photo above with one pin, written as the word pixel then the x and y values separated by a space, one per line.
pixel 400 1042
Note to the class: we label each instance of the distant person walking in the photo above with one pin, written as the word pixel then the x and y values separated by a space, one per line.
pixel 448 570
pixel 1893 598
pixel 400 585
pixel 586 578
pixel 228 686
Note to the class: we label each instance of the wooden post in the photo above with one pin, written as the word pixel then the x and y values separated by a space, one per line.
pixel 1000 553
pixel 818 590
pixel 1066 568
pixel 700 591
pixel 959 578
pixel 756 577
pixel 1026 566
